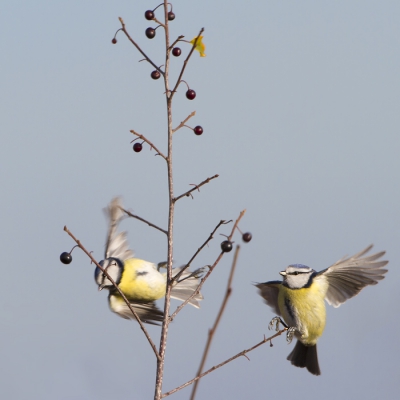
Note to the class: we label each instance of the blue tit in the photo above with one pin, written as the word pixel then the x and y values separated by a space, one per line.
pixel 299 299
pixel 140 281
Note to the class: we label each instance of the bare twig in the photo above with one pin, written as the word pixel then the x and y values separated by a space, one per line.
pixel 176 41
pixel 242 353
pixel 211 236
pixel 216 323
pixel 116 286
pixel 138 47
pixel 195 188
pixel 210 270
pixel 145 221
pixel 192 114
pixel 185 63
pixel 149 143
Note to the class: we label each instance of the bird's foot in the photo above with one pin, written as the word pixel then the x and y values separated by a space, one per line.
pixel 290 334
pixel 277 321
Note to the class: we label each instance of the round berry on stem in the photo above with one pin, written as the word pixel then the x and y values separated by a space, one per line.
pixel 176 51
pixel 198 130
pixel 190 94
pixel 155 74
pixel 247 237
pixel 150 33
pixel 149 15
pixel 171 16
pixel 137 147
pixel 65 258
pixel 114 41
pixel 226 246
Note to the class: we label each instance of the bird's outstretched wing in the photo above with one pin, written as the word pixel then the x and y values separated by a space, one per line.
pixel 116 243
pixel 147 312
pixel 269 292
pixel 349 275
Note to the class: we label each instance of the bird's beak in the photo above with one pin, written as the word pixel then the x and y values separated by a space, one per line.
pixel 101 287
pixel 283 273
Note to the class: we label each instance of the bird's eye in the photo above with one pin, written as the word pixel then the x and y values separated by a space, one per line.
pixel 104 275
pixel 295 273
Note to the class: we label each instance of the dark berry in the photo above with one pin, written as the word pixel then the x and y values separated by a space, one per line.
pixel 155 74
pixel 226 246
pixel 246 237
pixel 190 94
pixel 176 51
pixel 171 16
pixel 137 147
pixel 150 33
pixel 114 41
pixel 65 258
pixel 149 15
pixel 198 130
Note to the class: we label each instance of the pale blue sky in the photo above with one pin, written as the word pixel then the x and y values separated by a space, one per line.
pixel 299 102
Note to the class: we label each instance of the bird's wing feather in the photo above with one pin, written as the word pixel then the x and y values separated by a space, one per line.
pixel 269 291
pixel 147 312
pixel 349 275
pixel 116 243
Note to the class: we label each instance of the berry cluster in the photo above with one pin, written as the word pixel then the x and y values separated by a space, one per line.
pixel 227 245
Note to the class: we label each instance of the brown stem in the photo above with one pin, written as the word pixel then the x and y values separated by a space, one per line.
pixel 149 143
pixel 216 323
pixel 242 353
pixel 138 47
pixel 116 287
pixel 195 188
pixel 192 114
pixel 185 62
pixel 165 324
pixel 145 221
pixel 210 270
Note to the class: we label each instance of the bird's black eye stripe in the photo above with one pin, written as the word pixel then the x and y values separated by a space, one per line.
pixel 298 272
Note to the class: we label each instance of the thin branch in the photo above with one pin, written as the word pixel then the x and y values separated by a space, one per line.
pixel 195 188
pixel 149 143
pixel 185 63
pixel 176 41
pixel 143 220
pixel 138 47
pixel 210 270
pixel 116 286
pixel 192 114
pixel 242 353
pixel 211 236
pixel 216 323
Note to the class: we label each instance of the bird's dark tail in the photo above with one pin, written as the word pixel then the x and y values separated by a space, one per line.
pixel 305 356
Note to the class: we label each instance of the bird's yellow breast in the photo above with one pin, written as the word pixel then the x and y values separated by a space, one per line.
pixel 140 281
pixel 305 309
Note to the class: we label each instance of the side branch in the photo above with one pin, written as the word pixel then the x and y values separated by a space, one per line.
pixel 145 221
pixel 185 62
pixel 192 114
pixel 210 270
pixel 149 143
pixel 196 187
pixel 216 323
pixel 138 47
pixel 116 286
pixel 242 353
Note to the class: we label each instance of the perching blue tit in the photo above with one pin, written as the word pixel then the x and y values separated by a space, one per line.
pixel 139 280
pixel 299 299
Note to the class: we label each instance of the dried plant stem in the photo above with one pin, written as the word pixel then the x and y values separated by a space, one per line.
pixel 185 62
pixel 77 241
pixel 211 332
pixel 149 143
pixel 196 187
pixel 165 324
pixel 242 353
pixel 192 114
pixel 138 47
pixel 210 270
pixel 145 221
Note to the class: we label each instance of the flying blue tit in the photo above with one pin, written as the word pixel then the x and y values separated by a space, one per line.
pixel 139 280
pixel 299 299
